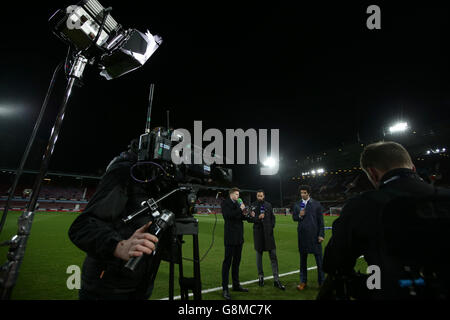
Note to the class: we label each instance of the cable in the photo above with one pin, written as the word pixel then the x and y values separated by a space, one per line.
pixel 145 162
pixel 30 143
pixel 212 241
pixel 213 232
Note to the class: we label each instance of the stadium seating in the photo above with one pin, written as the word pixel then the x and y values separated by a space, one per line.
pixel 62 195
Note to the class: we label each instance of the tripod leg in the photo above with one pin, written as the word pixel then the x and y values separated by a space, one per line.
pixel 198 284
pixel 183 290
pixel 171 276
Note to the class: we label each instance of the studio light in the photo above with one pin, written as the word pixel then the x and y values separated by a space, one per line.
pixel 95 39
pixel 89 28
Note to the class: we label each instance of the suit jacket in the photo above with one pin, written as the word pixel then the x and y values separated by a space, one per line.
pixel 234 228
pixel 263 229
pixel 310 226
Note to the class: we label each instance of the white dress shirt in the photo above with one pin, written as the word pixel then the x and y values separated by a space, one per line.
pixel 305 202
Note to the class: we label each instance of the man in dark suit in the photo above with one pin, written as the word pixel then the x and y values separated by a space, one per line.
pixel 311 233
pixel 264 222
pixel 357 232
pixel 233 214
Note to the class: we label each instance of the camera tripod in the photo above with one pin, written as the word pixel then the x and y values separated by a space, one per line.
pixel 170 250
pixel 185 226
pixel 171 230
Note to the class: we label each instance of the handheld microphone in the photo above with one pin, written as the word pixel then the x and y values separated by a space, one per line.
pixel 302 207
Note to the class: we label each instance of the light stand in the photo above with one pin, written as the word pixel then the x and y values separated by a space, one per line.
pixel 97 38
pixel 10 270
pixel 29 145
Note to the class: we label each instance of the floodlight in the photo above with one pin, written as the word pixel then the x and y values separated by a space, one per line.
pixel 270 162
pixel 398 127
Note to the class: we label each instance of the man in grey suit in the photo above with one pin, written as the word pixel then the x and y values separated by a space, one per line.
pixel 264 222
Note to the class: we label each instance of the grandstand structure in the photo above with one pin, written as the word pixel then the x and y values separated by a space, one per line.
pixel 71 192
pixel 335 175
pixel 59 191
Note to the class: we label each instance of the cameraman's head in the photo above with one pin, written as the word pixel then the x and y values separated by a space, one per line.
pixel 379 158
pixel 260 195
pixel 234 193
pixel 304 191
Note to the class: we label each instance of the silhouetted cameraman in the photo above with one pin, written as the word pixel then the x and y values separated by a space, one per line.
pixel 108 242
pixel 363 229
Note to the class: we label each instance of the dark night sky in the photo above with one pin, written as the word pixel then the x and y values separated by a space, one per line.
pixel 315 72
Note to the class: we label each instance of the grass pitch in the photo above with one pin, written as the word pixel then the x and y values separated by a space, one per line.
pixel 43 274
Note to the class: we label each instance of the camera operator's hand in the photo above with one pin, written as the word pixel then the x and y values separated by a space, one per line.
pixel 261 216
pixel 253 213
pixel 139 243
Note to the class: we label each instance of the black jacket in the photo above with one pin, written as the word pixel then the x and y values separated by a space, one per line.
pixel 310 226
pixel 263 229
pixel 99 229
pixel 234 228
pixel 357 231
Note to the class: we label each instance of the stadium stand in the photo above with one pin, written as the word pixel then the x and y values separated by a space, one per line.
pixel 340 177
pixel 68 193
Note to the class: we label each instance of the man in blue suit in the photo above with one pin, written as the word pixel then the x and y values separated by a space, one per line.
pixel 311 233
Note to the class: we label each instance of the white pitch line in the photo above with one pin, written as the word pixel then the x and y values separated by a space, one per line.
pixel 242 283
pixel 245 283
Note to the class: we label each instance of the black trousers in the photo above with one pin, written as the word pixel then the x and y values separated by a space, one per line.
pixel 233 260
pixel 304 267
